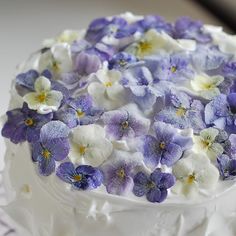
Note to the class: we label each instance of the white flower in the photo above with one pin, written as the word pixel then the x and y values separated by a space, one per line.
pixel 57 59
pixel 226 42
pixel 107 92
pixel 153 42
pixel 44 100
pixel 206 143
pixel 207 86
pixel 193 174
pixel 67 36
pixel 89 145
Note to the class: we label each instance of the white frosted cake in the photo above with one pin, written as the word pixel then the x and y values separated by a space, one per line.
pixel 127 128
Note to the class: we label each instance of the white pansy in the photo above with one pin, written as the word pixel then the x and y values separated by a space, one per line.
pixel 57 59
pixel 44 100
pixel 226 42
pixel 206 143
pixel 154 41
pixel 67 36
pixel 89 145
pixel 107 92
pixel 207 86
pixel 193 174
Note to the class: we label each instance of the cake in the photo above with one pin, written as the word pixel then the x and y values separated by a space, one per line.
pixel 127 128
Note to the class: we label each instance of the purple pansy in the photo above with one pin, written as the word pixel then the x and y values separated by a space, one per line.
pixel 166 147
pixel 25 83
pixel 221 112
pixel 83 177
pixel 182 111
pixel 53 146
pixel 153 22
pixel 227 167
pixel 125 123
pixel 24 124
pixel 140 82
pixel 79 111
pixel 116 27
pixel 122 60
pixel 175 68
pixel 119 172
pixel 154 186
pixel 186 28
pixel 208 57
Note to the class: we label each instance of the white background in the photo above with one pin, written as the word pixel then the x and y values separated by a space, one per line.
pixel 25 23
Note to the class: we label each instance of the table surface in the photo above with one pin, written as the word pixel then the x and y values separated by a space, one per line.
pixel 25 23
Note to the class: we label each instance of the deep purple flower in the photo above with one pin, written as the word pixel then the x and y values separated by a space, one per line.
pixel 25 83
pixel 229 69
pixel 166 147
pixel 24 124
pixel 208 57
pixel 186 28
pixel 175 68
pixel 116 27
pixel 125 123
pixel 83 177
pixel 53 146
pixel 119 172
pixel 140 82
pixel 221 112
pixel 227 167
pixel 79 111
pixel 154 186
pixel 122 60
pixel 153 22
pixel 182 111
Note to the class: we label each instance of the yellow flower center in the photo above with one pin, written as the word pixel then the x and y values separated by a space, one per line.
pixel 122 62
pixel 125 124
pixel 29 122
pixel 144 47
pixel 82 150
pixel 121 173
pixel 46 154
pixel 108 84
pixel 42 97
pixel 173 69
pixel 180 111
pixel 77 177
pixel 151 185
pixel 206 143
pixel 162 145
pixel 191 178
pixel 207 86
pixel 56 67
pixel 80 113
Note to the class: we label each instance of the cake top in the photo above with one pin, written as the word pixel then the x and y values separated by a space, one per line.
pixel 133 106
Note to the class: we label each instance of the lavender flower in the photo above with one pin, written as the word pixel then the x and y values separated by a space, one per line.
pixel 116 27
pixel 186 28
pixel 122 60
pixel 125 123
pixel 79 111
pixel 153 22
pixel 166 147
pixel 175 68
pixel 154 186
pixel 227 167
pixel 208 57
pixel 140 81
pixel 119 171
pixel 182 111
pixel 221 112
pixel 83 177
pixel 229 69
pixel 53 146
pixel 24 124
